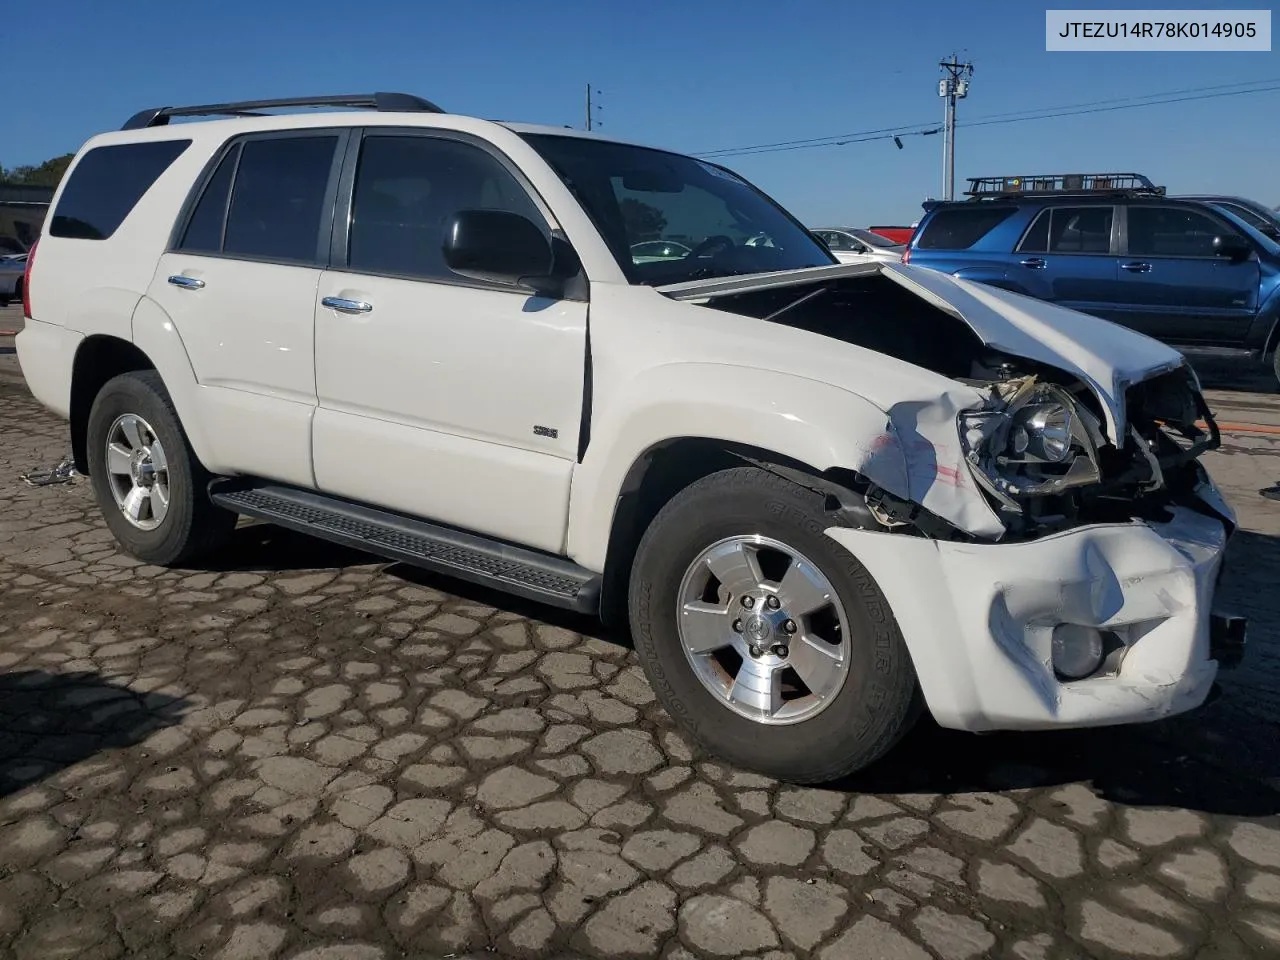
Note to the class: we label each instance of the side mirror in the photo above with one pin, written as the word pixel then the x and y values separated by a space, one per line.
pixel 1233 247
pixel 504 247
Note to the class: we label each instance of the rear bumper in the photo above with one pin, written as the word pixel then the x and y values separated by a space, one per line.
pixel 47 354
pixel 979 620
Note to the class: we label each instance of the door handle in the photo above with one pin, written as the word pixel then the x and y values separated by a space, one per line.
pixel 1033 263
pixel 186 283
pixel 1136 267
pixel 346 306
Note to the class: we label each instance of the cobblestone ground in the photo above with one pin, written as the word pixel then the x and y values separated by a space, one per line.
pixel 304 754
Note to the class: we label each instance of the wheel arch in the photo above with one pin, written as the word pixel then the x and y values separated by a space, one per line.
pixel 671 465
pixel 98 359
pixel 156 345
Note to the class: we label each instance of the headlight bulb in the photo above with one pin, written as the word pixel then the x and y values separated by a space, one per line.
pixel 1041 431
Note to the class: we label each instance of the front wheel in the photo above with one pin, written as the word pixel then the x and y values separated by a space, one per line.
pixel 763 638
pixel 151 488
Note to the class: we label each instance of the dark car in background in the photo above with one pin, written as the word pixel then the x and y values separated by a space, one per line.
pixel 1258 215
pixel 1188 272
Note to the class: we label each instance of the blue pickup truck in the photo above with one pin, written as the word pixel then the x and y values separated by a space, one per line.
pixel 1189 272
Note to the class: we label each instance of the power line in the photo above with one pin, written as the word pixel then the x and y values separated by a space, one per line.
pixel 1093 106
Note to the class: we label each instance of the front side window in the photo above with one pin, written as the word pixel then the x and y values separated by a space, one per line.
pixel 107 184
pixel 637 196
pixel 407 190
pixel 277 200
pixel 1171 232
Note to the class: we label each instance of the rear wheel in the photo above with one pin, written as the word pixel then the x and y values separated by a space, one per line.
pixel 148 482
pixel 1275 369
pixel 764 639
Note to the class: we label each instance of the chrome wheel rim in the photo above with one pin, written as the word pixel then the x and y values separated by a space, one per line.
pixel 137 471
pixel 763 629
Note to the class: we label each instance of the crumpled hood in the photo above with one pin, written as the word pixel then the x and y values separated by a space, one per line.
pixel 1106 356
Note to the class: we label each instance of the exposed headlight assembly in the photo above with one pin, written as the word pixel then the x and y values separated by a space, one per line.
pixel 1031 440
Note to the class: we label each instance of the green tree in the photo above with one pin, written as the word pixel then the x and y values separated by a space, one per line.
pixel 643 221
pixel 47 174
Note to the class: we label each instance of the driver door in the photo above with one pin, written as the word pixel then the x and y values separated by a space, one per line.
pixel 446 398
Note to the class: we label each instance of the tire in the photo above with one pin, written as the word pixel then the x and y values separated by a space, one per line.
pixel 876 702
pixel 1275 370
pixel 170 530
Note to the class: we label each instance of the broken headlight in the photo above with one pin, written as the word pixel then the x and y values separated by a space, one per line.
pixel 1031 439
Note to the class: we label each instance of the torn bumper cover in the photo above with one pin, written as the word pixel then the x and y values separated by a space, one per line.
pixel 1124 608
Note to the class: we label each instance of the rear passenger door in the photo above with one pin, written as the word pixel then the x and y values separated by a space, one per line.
pixel 1066 257
pixel 239 282
pixel 439 396
pixel 1175 287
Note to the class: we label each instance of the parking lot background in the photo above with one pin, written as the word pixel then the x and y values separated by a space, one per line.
pixel 299 751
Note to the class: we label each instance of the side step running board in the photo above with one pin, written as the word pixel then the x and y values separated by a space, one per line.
pixel 512 569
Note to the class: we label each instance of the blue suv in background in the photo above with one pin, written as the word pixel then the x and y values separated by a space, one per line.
pixel 1188 272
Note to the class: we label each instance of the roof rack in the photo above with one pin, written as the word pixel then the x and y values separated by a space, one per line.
pixel 383 102
pixel 1062 183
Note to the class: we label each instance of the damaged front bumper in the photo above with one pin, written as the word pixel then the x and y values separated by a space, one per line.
pixel 980 620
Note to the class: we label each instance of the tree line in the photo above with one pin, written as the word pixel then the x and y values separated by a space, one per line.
pixel 47 174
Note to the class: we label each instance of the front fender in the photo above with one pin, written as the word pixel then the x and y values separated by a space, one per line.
pixel 156 335
pixel 902 450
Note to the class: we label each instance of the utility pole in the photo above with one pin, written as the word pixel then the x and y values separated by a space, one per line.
pixel 952 87
pixel 592 109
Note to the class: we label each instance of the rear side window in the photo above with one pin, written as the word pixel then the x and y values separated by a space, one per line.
pixel 959 228
pixel 277 199
pixel 107 184
pixel 1070 230
pixel 204 230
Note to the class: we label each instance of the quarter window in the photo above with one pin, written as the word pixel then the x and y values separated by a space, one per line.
pixel 107 184
pixel 407 190
pixel 960 227
pixel 1171 232
pixel 277 201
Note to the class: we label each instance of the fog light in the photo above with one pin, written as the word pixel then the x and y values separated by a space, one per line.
pixel 1077 651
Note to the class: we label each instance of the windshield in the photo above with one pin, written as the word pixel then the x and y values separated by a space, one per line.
pixel 669 218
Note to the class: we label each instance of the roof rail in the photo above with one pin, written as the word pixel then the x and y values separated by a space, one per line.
pixel 1062 183
pixel 383 102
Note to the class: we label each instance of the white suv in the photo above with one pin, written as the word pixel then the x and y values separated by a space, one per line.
pixel 824 496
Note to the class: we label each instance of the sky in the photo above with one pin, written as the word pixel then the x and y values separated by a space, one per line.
pixel 693 76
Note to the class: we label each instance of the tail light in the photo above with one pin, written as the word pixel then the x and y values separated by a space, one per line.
pixel 26 281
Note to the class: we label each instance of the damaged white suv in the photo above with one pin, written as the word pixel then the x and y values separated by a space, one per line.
pixel 825 496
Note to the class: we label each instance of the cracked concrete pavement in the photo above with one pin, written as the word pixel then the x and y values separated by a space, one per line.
pixel 300 752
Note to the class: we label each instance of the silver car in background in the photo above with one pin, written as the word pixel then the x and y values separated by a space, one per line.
pixel 12 269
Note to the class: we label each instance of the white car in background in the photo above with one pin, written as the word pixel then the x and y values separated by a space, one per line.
pixel 12 269
pixel 855 245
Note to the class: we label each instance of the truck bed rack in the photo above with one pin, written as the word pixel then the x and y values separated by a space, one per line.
pixel 383 102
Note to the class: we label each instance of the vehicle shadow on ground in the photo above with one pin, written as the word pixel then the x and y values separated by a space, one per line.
pixel 262 548
pixel 1240 376
pixel 51 721
pixel 1216 760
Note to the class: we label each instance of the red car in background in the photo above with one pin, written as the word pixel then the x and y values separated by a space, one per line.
pixel 896 234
